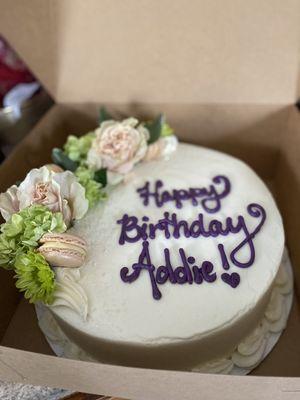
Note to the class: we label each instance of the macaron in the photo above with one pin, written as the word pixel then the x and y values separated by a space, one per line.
pixel 63 250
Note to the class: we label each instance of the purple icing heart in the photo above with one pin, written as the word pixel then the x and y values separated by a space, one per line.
pixel 231 279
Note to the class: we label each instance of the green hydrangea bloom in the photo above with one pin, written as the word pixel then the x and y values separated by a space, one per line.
pixel 166 130
pixel 93 190
pixel 76 148
pixel 34 277
pixel 8 251
pixel 24 229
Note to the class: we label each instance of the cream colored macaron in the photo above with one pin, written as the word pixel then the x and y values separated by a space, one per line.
pixel 63 250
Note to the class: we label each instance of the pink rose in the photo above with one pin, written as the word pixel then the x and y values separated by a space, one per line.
pixel 118 146
pixel 60 192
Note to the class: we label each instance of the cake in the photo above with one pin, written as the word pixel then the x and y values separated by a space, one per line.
pixel 183 267
pixel 133 321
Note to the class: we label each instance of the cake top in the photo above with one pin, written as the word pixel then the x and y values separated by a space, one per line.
pixel 129 226
pixel 179 249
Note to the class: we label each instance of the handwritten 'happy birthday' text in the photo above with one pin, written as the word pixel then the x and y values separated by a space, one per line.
pixel 171 226
pixel 210 196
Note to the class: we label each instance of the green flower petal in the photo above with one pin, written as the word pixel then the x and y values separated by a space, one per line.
pixel 76 148
pixel 23 231
pixel 166 130
pixel 35 277
pixel 93 190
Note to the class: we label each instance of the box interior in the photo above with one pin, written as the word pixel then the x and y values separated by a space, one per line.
pixel 266 137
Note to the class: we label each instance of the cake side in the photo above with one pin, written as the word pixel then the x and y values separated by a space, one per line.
pixel 247 354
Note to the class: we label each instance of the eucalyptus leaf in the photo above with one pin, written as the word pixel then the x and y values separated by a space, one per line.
pixel 101 176
pixel 104 115
pixel 155 128
pixel 61 159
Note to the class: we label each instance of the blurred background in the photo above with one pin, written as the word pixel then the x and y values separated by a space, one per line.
pixel 22 99
pixel 23 102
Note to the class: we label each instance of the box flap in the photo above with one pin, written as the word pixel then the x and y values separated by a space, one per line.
pixel 140 384
pixel 159 51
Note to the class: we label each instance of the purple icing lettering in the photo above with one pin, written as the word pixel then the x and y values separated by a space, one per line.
pixel 207 269
pixel 129 224
pixel 172 276
pixel 145 194
pixel 129 278
pixel 181 224
pixel 198 277
pixel 186 267
pixel 134 230
pixel 214 196
pixel 162 274
pixel 224 260
pixel 137 267
pixel 211 197
pixel 256 211
pixel 180 275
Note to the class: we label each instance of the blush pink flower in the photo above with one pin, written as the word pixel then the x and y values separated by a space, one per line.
pixel 118 146
pixel 60 192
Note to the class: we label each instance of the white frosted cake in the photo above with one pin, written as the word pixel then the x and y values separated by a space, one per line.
pixel 188 290
pixel 148 253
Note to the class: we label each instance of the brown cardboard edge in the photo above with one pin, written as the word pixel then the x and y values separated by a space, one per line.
pixel 287 186
pixel 135 383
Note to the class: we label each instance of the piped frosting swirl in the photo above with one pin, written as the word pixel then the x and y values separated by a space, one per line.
pixel 251 350
pixel 69 292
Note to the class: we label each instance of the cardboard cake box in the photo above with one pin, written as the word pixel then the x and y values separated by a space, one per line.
pixel 226 78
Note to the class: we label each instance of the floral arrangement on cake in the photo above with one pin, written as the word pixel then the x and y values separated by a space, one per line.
pixel 39 211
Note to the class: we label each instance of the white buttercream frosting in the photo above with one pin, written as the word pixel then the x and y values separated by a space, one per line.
pixel 69 293
pixel 251 350
pixel 123 314
pixel 246 356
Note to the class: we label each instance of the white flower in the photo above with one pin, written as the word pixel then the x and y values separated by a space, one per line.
pixel 60 192
pixel 118 146
pixel 54 168
pixel 9 202
pixel 162 148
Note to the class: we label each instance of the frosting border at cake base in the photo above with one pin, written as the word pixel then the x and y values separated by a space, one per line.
pixel 248 354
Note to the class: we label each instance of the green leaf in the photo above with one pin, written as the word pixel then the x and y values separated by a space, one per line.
pixel 104 115
pixel 61 159
pixel 101 176
pixel 155 128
